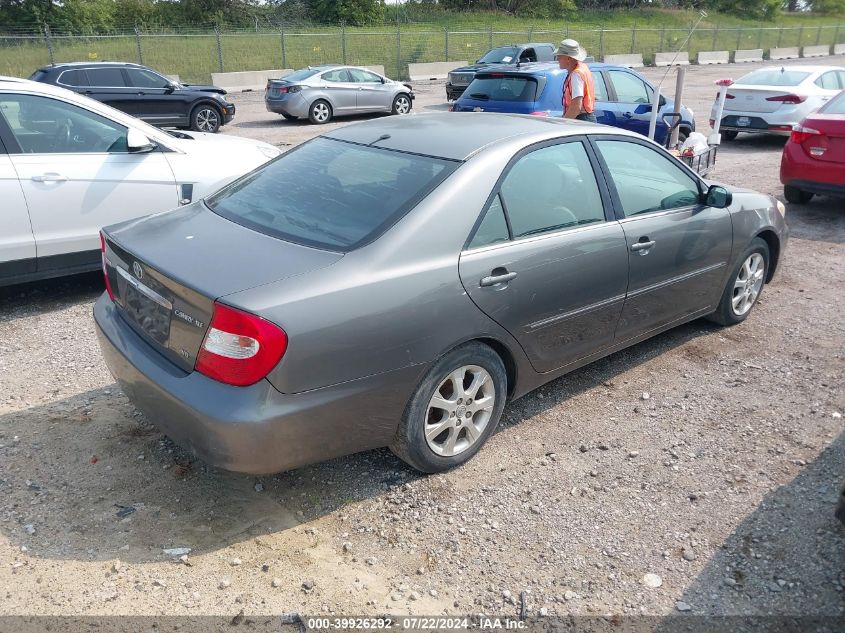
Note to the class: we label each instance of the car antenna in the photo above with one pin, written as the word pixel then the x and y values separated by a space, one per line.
pixel 383 137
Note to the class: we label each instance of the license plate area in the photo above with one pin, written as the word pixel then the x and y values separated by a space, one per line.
pixel 743 121
pixel 146 309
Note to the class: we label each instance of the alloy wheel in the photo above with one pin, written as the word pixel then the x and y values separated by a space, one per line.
pixel 321 112
pixel 207 120
pixel 403 105
pixel 460 410
pixel 748 283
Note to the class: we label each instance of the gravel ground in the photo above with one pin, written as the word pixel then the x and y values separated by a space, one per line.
pixel 696 472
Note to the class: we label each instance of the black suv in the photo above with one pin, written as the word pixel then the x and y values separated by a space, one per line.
pixel 512 54
pixel 144 93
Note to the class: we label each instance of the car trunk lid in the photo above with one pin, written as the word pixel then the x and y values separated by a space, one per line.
pixel 829 144
pixel 759 98
pixel 167 270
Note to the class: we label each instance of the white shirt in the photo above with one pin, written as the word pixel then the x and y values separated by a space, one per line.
pixel 576 85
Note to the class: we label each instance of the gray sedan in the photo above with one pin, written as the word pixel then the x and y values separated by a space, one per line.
pixel 323 92
pixel 395 282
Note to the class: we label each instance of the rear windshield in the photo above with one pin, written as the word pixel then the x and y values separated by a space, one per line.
pixel 490 88
pixel 835 105
pixel 773 78
pixel 503 55
pixel 331 194
pixel 299 75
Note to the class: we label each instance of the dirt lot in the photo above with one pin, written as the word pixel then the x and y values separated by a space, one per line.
pixel 708 457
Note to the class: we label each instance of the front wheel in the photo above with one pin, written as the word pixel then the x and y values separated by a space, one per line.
pixel 206 118
pixel 454 409
pixel 320 112
pixel 744 285
pixel 796 195
pixel 401 104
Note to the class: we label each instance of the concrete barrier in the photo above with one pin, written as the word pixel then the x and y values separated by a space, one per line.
pixel 839 49
pixel 816 51
pixel 714 57
pixel 752 55
pixel 792 52
pixel 432 70
pixel 247 80
pixel 631 61
pixel 670 59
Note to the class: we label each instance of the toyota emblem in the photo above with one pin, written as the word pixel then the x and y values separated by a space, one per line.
pixel 139 272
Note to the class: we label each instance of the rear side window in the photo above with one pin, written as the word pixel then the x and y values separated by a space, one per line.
pixel 106 78
pixel 828 81
pixel 503 89
pixel 835 105
pixel 780 77
pixel 73 78
pixel 299 75
pixel 331 194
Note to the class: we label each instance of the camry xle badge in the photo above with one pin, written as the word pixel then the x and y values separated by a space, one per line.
pixel 139 272
pixel 477 109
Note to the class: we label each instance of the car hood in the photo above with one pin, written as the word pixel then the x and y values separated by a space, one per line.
pixel 477 67
pixel 199 88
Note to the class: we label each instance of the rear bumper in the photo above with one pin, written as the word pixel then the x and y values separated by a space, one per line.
pixel 797 169
pixel 292 105
pixel 254 429
pixel 454 91
pixel 758 123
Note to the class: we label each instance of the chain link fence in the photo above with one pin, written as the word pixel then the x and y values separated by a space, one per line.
pixel 194 55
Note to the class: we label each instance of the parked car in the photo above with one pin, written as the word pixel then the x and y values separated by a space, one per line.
pixel 321 93
pixel 813 160
pixel 623 97
pixel 512 55
pixel 438 266
pixel 772 100
pixel 143 93
pixel 70 165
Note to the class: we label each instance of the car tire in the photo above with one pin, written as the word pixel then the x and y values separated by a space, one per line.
pixel 796 195
pixel 481 371
pixel 730 135
pixel 320 112
pixel 206 118
pixel 290 117
pixel 401 104
pixel 744 285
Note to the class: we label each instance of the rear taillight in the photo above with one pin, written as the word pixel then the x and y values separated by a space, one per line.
pixel 240 348
pixel 788 98
pixel 541 113
pixel 105 265
pixel 801 133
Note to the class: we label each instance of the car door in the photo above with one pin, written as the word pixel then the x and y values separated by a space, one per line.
pixel 108 84
pixel 545 262
pixel 17 244
pixel 77 176
pixel 678 248
pixel 342 91
pixel 154 98
pixel 604 114
pixel 373 94
pixel 630 95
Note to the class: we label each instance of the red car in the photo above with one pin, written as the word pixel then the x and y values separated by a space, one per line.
pixel 813 159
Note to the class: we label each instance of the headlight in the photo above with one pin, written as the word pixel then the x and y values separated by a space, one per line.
pixel 781 208
pixel 269 151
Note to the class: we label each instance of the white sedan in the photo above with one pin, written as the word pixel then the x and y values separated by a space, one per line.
pixel 771 100
pixel 70 165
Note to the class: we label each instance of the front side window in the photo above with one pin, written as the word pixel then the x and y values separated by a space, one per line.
pixel 629 89
pixel 106 78
pixel 601 87
pixel 545 53
pixel 647 180
pixel 364 77
pixel 331 194
pixel 550 189
pixel 146 79
pixel 42 125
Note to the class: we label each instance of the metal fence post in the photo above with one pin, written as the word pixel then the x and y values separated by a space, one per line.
pixel 633 38
pixel 398 52
pixel 738 38
pixel 49 43
pixel 219 48
pixel 343 41
pixel 284 48
pixel 715 35
pixel 760 38
pixel 836 34
pixel 819 35
pixel 662 37
pixel 490 37
pixel 530 32
pixel 446 42
pixel 800 35
pixel 780 36
pixel 601 44
pixel 138 45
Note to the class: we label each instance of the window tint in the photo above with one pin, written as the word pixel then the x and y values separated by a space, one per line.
pixel 779 77
pixel 73 78
pixel 503 89
pixel 629 88
pixel 551 189
pixel 42 125
pixel 299 75
pixel 646 179
pixel 501 55
pixel 106 78
pixel 336 76
pixel 828 81
pixel 331 194
pixel 601 87
pixel 363 76
pixel 493 227
pixel 146 79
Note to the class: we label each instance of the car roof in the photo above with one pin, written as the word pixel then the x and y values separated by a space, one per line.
pixel 803 67
pixel 91 63
pixel 544 68
pixel 459 135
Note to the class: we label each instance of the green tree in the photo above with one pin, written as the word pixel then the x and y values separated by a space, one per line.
pixel 354 12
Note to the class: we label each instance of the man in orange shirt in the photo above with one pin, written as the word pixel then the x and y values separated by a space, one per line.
pixel 579 93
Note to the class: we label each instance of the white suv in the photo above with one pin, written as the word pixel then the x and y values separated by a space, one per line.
pixel 70 165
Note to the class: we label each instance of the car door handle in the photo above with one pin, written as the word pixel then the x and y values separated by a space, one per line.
pixel 501 276
pixel 642 246
pixel 627 115
pixel 50 177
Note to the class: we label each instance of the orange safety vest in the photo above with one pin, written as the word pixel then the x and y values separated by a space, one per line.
pixel 588 103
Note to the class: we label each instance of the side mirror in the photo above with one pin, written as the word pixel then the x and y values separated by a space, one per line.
pixel 170 88
pixel 662 101
pixel 137 143
pixel 718 197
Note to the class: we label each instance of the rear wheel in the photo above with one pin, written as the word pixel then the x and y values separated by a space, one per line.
pixel 401 104
pixel 796 195
pixel 454 409
pixel 290 117
pixel 320 112
pixel 730 135
pixel 206 118
pixel 744 285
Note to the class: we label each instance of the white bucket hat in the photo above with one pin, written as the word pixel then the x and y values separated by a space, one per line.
pixel 572 49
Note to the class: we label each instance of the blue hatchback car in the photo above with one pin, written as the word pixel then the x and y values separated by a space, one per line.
pixel 623 97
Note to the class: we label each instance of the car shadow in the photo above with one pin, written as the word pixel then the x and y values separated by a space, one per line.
pixel 820 220
pixel 49 295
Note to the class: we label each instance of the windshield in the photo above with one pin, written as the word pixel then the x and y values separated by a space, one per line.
pixel 331 194
pixel 503 89
pixel 299 75
pixel 835 105
pixel 773 78
pixel 503 55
